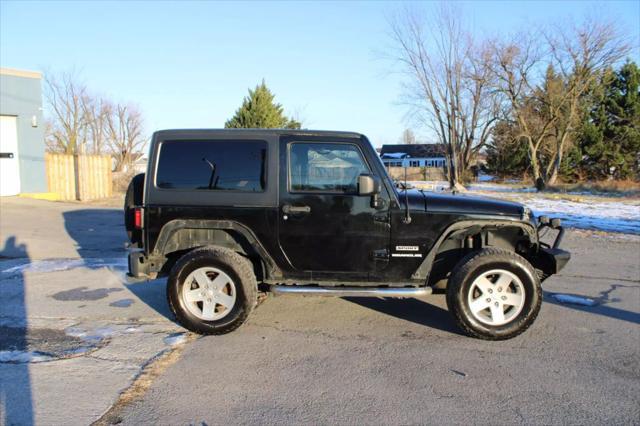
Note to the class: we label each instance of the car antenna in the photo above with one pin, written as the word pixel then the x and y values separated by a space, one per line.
pixel 213 172
pixel 407 215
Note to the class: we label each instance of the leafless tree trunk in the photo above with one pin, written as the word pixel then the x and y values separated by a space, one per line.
pixel 125 135
pixel 97 112
pixel 65 98
pixel 408 137
pixel 446 85
pixel 546 117
pixel 581 54
pixel 81 123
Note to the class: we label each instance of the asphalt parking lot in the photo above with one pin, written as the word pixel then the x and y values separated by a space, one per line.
pixel 302 360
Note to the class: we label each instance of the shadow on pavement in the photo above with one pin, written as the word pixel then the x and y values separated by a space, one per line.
pixel 100 233
pixel 16 400
pixel 414 310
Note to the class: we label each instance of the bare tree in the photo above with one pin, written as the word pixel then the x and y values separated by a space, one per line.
pixel 65 98
pixel 408 137
pixel 125 134
pixel 514 64
pixel 581 54
pixel 446 83
pixel 546 107
pixel 97 112
pixel 83 123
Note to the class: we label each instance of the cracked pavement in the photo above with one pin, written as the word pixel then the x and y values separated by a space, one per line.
pixel 74 331
pixel 300 359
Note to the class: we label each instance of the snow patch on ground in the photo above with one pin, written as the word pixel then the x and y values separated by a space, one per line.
pixel 603 216
pixel 57 265
pixel 485 178
pixel 573 300
pixel 618 215
pixel 175 339
pixel 499 188
pixel 21 357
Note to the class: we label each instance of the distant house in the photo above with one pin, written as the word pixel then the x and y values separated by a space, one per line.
pixel 414 155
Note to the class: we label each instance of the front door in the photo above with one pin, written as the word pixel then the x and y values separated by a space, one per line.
pixel 324 225
pixel 9 167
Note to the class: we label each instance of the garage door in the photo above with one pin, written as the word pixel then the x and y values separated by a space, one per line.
pixel 9 168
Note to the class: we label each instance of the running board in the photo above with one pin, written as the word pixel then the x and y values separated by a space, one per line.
pixel 351 291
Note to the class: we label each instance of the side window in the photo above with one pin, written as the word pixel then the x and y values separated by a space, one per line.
pixel 325 167
pixel 231 165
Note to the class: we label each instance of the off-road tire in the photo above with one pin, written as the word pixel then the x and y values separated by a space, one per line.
pixel 469 268
pixel 238 268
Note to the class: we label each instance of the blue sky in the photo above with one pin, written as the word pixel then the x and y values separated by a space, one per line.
pixel 189 64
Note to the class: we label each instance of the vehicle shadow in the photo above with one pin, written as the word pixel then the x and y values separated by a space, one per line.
pixel 414 310
pixel 16 400
pixel 100 234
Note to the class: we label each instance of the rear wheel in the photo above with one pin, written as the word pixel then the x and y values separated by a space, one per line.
pixel 212 290
pixel 494 294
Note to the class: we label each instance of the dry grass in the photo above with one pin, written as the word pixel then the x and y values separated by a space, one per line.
pixel 141 384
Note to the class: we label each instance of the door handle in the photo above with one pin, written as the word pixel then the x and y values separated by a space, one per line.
pixel 289 209
pixel 6 154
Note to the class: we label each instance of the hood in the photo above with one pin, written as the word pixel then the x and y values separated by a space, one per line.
pixel 463 204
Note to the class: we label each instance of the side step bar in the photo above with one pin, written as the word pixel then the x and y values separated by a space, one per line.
pixel 351 291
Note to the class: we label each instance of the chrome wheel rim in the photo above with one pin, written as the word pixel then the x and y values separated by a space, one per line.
pixel 209 293
pixel 496 297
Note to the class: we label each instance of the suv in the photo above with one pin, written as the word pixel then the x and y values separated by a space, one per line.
pixel 231 214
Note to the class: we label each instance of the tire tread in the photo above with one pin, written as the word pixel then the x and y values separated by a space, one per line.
pixel 463 269
pixel 241 265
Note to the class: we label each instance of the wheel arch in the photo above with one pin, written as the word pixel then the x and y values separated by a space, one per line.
pixel 182 235
pixel 463 237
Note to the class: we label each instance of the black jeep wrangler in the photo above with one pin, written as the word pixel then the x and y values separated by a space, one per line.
pixel 229 214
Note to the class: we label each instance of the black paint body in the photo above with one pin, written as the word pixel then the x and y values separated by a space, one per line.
pixel 341 238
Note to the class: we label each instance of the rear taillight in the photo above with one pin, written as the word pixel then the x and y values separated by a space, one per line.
pixel 137 217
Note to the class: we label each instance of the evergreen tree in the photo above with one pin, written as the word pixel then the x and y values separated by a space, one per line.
pixel 506 157
pixel 610 137
pixel 258 110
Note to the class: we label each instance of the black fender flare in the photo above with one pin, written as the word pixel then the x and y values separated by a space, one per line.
pixel 422 272
pixel 171 227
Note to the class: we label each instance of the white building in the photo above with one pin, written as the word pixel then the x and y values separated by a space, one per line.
pixel 414 155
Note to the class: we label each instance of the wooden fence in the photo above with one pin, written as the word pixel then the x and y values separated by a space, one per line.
pixel 79 177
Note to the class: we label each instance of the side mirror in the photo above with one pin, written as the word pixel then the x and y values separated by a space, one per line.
pixel 368 185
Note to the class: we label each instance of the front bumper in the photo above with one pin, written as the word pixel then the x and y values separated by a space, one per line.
pixel 551 259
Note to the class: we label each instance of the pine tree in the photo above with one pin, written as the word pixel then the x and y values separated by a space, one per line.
pixel 259 110
pixel 506 157
pixel 610 137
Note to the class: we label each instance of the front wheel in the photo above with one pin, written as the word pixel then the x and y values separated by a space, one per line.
pixel 494 294
pixel 212 290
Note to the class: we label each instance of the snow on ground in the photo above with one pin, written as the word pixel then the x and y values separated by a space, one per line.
pixel 18 266
pixel 499 188
pixel 604 216
pixel 573 300
pixel 586 212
